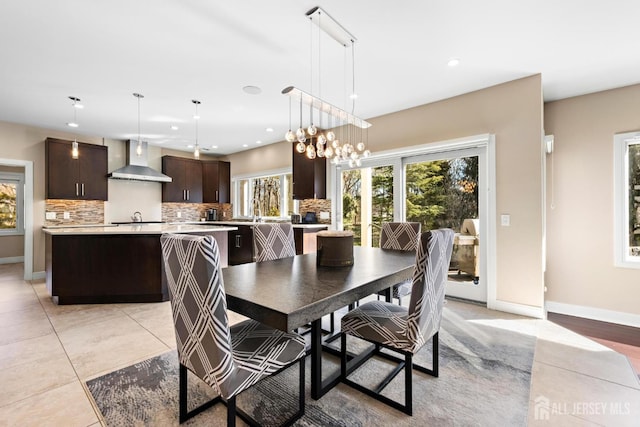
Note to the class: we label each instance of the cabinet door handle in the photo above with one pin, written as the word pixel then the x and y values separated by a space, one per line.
pixel 184 194
pixel 216 195
pixel 82 186
pixel 188 194
pixel 77 191
pixel 238 241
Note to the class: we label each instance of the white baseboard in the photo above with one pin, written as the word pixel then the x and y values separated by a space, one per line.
pixel 11 260
pixel 37 275
pixel 594 313
pixel 520 309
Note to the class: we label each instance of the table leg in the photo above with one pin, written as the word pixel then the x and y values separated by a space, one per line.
pixel 319 387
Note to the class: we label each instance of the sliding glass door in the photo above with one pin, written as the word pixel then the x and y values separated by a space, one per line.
pixel 441 189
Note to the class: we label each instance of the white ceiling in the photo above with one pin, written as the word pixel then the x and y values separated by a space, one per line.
pixel 175 51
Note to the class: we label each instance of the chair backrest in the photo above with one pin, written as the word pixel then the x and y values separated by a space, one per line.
pixel 429 280
pixel 273 241
pixel 199 307
pixel 402 236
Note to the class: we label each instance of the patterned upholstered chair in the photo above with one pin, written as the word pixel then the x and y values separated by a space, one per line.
pixel 273 241
pixel 404 330
pixel 400 236
pixel 229 359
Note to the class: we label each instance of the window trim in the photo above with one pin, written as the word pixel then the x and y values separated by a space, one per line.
pixel 621 142
pixel 18 178
pixel 235 184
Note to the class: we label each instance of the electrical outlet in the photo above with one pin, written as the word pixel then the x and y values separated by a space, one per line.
pixel 179 214
pixel 50 215
pixel 505 220
pixel 66 215
pixel 324 215
pixel 224 214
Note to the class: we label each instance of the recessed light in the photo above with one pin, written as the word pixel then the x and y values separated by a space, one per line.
pixel 258 142
pixel 72 124
pixel 269 129
pixel 245 145
pixel 353 96
pixel 453 62
pixel 190 146
pixel 174 127
pixel 252 90
pixel 214 146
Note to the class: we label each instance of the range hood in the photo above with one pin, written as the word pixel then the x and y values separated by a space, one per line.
pixel 137 167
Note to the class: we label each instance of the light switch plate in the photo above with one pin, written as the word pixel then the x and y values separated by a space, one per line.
pixel 324 215
pixel 179 214
pixel 66 215
pixel 50 215
pixel 505 220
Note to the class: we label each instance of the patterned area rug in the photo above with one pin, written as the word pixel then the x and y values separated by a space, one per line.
pixel 485 371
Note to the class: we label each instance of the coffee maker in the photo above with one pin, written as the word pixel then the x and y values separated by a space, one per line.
pixel 212 214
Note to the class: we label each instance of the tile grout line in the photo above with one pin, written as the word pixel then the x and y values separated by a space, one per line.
pixel 89 398
pixel 589 376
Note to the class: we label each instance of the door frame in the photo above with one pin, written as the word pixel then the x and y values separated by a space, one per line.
pixel 487 210
pixel 28 212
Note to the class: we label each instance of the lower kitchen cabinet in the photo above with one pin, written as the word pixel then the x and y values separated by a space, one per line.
pixel 241 245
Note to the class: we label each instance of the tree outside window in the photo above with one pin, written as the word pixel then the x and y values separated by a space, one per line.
pixel 8 205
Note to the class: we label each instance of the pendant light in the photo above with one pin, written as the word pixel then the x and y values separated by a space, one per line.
pixel 196 117
pixel 74 124
pixel 139 146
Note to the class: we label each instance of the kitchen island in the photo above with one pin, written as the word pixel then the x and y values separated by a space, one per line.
pixel 241 241
pixel 114 264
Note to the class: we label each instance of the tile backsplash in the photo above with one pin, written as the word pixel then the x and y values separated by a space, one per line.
pixel 317 206
pixel 194 211
pixel 79 212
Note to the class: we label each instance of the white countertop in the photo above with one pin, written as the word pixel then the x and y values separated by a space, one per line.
pixel 136 229
pixel 307 226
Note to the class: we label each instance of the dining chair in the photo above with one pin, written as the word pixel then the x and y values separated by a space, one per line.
pixel 400 329
pixel 273 241
pixel 399 236
pixel 229 359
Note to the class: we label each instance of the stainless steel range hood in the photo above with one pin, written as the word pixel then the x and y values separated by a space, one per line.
pixel 137 167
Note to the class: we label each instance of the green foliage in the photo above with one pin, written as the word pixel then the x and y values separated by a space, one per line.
pixel 439 193
pixel 8 205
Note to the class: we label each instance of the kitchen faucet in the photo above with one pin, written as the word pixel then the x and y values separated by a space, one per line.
pixel 253 203
pixel 137 217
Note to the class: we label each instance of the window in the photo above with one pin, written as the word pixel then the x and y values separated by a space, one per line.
pixel 627 199
pixel 11 203
pixel 268 196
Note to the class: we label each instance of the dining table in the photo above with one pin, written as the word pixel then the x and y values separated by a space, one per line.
pixel 292 292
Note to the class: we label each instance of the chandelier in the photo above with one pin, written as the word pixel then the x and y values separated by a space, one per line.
pixel 344 141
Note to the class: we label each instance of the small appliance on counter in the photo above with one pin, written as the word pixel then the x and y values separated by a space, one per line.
pixel 310 218
pixel 296 219
pixel 212 214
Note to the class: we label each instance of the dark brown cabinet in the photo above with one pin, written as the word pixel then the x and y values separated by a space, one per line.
pixel 84 178
pixel 306 239
pixel 216 181
pixel 241 245
pixel 309 177
pixel 186 186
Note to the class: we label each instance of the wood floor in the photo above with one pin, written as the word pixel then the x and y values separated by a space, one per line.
pixel 623 339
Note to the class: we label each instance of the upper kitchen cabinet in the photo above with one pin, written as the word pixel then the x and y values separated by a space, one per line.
pixel 309 177
pixel 216 181
pixel 84 178
pixel 186 186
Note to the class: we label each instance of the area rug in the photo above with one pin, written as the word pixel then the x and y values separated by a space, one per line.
pixel 485 372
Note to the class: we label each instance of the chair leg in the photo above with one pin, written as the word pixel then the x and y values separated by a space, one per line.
pixel 408 384
pixel 183 412
pixel 182 394
pixel 435 356
pixel 231 412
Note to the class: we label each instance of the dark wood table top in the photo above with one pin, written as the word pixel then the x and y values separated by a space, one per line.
pixel 291 292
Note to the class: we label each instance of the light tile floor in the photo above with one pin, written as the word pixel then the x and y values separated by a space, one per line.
pixel 47 352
